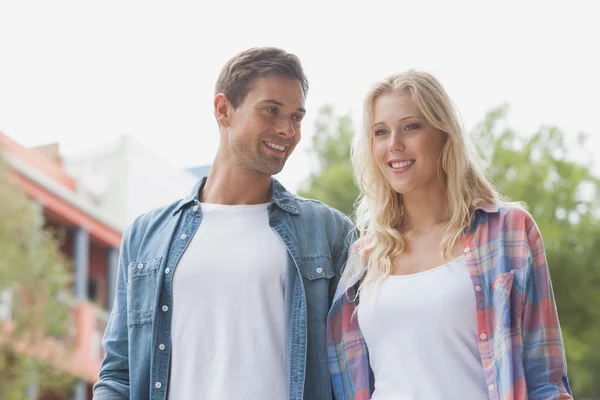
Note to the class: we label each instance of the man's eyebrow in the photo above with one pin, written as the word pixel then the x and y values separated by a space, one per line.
pixel 280 104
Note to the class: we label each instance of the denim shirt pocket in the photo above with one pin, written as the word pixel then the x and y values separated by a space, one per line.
pixel 316 272
pixel 141 287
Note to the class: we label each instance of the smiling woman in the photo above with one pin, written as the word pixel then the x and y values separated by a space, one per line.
pixel 445 273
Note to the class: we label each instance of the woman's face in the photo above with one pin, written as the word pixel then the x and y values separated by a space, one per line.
pixel 406 147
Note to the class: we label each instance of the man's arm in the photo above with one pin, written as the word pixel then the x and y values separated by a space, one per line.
pixel 114 372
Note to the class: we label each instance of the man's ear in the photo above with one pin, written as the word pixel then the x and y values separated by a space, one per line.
pixel 223 110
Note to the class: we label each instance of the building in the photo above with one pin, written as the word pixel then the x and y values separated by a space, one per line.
pixel 124 179
pixel 92 197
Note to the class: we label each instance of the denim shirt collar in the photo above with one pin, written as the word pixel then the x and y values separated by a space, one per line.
pixel 280 197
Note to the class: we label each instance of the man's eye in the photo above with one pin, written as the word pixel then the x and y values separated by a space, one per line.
pixel 272 110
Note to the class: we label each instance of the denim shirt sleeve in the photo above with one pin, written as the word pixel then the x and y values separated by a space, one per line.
pixel 340 255
pixel 114 372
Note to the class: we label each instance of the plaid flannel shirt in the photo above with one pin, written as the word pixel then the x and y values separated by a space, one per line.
pixel 519 337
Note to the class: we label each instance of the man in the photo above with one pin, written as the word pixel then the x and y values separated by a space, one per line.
pixel 224 294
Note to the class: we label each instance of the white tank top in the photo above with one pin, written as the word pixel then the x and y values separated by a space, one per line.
pixel 421 332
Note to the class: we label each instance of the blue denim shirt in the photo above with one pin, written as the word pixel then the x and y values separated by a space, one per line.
pixel 137 340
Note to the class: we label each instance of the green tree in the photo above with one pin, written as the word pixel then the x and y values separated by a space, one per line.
pixel 562 196
pixel 33 273
pixel 332 180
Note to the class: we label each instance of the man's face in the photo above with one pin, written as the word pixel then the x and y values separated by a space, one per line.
pixel 264 130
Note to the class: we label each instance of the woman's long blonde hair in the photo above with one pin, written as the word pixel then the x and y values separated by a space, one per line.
pixel 379 215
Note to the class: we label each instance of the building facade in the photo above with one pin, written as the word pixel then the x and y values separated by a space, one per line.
pixel 91 197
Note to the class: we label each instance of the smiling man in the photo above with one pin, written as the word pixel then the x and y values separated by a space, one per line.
pixel 224 294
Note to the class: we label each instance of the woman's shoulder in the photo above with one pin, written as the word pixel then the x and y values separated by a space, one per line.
pixel 510 215
pixel 357 258
pixel 512 223
pixel 361 244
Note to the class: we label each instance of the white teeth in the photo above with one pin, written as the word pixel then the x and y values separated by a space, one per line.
pixel 276 147
pixel 402 164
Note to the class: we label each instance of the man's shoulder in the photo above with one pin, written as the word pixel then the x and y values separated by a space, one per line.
pixel 152 220
pixel 311 208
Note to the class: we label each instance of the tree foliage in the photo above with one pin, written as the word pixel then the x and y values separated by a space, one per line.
pixel 332 180
pixel 33 273
pixel 556 182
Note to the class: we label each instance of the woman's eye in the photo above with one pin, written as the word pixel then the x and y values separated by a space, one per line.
pixel 411 127
pixel 380 132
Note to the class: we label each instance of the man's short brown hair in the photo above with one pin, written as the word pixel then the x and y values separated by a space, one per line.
pixel 238 75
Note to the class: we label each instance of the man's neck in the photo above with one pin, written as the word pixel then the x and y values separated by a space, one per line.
pixel 229 185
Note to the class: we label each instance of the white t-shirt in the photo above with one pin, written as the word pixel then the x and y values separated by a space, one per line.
pixel 227 332
pixel 421 332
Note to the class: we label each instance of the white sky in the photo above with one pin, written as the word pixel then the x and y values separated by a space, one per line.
pixel 82 73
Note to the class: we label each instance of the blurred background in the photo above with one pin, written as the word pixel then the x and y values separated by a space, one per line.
pixel 106 113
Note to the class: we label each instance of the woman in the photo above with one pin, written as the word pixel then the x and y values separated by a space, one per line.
pixel 447 294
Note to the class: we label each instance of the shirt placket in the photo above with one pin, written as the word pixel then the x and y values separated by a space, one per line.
pixel 162 349
pixel 484 332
